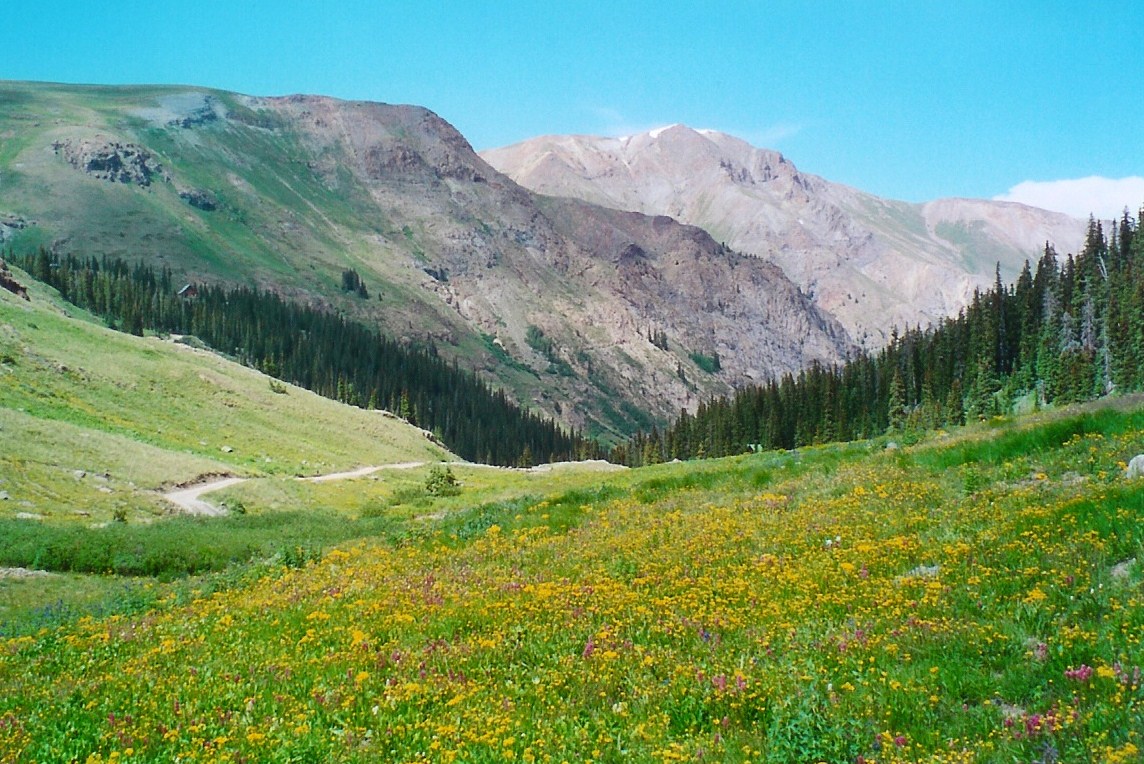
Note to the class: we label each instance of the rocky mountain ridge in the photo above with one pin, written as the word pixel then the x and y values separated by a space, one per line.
pixel 873 263
pixel 557 301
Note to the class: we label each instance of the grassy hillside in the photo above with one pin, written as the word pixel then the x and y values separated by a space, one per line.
pixel 258 202
pixel 976 597
pixel 279 212
pixel 94 420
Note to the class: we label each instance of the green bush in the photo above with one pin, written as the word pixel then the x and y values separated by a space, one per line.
pixel 442 482
pixel 536 340
pixel 708 363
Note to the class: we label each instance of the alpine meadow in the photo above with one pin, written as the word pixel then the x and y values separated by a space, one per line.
pixel 325 438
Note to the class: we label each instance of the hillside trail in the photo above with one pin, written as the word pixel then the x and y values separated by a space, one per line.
pixel 361 472
pixel 187 497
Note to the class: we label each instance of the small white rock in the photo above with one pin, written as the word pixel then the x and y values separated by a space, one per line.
pixel 1135 467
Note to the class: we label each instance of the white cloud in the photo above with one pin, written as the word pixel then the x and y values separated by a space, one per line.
pixel 1105 198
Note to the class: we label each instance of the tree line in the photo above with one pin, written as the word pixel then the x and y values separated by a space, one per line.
pixel 1067 330
pixel 329 354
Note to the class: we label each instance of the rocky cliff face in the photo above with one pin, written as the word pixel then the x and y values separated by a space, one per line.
pixel 873 263
pixel 591 315
pixel 595 282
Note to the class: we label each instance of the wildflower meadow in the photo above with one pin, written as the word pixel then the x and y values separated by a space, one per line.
pixel 978 596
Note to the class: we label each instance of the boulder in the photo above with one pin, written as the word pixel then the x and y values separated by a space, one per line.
pixel 199 199
pixel 1135 467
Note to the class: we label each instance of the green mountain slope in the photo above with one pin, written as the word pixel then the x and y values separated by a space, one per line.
pixel 93 420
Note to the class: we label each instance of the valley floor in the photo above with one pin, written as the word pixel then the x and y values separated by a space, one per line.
pixel 977 596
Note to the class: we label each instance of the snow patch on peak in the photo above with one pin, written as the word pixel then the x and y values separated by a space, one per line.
pixel 653 134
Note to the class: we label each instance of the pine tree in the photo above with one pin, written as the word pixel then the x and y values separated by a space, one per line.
pixel 896 405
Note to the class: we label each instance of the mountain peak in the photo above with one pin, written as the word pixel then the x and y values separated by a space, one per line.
pixel 680 129
pixel 656 132
pixel 873 263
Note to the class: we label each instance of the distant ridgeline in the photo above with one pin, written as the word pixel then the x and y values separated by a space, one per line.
pixel 329 354
pixel 1067 333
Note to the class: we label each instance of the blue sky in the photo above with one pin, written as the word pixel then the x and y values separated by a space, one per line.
pixel 911 99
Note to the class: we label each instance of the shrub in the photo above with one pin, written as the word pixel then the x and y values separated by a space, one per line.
pixel 708 363
pixel 442 482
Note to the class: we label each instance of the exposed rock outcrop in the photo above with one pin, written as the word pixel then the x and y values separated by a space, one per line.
pixel 197 117
pixel 9 224
pixel 8 281
pixel 111 160
pixel 199 199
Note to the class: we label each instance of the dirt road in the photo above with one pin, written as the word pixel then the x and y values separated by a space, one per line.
pixel 188 499
pixel 362 472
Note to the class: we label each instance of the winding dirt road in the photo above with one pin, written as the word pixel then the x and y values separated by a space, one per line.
pixel 362 472
pixel 187 498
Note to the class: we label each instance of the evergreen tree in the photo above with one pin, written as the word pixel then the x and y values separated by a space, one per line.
pixel 896 404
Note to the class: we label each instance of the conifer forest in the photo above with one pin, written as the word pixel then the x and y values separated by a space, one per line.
pixel 318 350
pixel 1070 329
